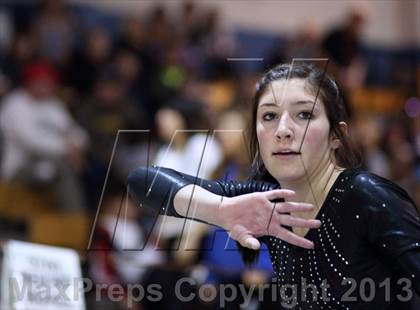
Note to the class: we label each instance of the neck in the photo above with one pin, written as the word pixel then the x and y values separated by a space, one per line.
pixel 314 187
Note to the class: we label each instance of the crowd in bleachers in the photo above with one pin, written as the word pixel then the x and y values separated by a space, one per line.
pixel 82 106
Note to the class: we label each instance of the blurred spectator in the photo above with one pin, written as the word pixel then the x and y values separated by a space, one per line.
pixel 105 112
pixel 342 45
pixel 244 91
pixel 188 22
pixel 55 32
pixel 5 84
pixel 223 264
pixel 23 51
pixel 172 75
pixel 6 30
pixel 369 133
pixel 130 68
pixel 277 55
pixel 159 30
pixel 122 252
pixel 307 42
pixel 189 37
pixel 218 43
pixel 43 146
pixel 212 34
pixel 415 136
pixel 85 64
pixel 133 36
pixel 183 128
pixel 134 41
pixel 231 134
pixel 6 39
pixel 194 153
pixel 401 154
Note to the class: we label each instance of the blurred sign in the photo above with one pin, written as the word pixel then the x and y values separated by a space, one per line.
pixel 40 277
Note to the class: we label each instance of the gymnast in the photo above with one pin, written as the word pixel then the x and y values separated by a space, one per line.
pixel 349 235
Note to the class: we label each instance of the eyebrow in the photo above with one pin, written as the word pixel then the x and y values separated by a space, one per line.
pixel 299 102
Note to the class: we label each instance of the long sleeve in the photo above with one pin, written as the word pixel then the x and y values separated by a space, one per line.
pixel 40 128
pixel 392 226
pixel 155 187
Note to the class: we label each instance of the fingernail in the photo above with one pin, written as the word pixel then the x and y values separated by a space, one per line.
pixel 250 245
pixel 292 192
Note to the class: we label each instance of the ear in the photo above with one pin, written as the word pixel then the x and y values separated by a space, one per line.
pixel 344 127
pixel 335 143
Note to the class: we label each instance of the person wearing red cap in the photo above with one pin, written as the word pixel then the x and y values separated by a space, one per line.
pixel 42 143
pixel 40 79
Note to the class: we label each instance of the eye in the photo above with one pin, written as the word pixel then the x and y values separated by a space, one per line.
pixel 305 115
pixel 269 116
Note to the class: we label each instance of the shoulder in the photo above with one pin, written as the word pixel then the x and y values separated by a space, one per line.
pixel 14 104
pixel 386 215
pixel 375 193
pixel 368 183
pixel 15 97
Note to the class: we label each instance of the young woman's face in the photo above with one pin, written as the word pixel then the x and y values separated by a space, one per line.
pixel 293 141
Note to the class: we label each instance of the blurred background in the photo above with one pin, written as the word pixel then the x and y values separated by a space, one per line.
pixel 89 90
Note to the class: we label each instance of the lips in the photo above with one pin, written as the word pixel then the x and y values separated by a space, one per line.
pixel 286 152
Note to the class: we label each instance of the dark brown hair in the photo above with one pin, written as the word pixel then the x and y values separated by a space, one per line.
pixel 327 90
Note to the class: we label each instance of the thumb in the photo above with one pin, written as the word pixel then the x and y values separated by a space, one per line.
pixel 243 236
pixel 249 241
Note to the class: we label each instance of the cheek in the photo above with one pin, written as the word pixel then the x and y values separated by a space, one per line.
pixel 263 136
pixel 316 138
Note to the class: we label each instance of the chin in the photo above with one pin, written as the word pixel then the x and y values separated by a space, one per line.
pixel 287 175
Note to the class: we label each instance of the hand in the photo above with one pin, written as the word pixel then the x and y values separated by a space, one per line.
pixel 249 216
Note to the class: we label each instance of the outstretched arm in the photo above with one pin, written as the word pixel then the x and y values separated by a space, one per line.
pixel 245 209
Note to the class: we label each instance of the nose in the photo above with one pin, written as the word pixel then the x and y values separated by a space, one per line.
pixel 284 129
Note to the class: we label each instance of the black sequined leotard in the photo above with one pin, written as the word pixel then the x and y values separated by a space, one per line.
pixel 367 250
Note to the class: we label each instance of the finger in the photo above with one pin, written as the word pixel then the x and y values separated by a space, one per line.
pixel 292 221
pixel 251 242
pixel 292 238
pixel 279 193
pixel 283 207
pixel 241 235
